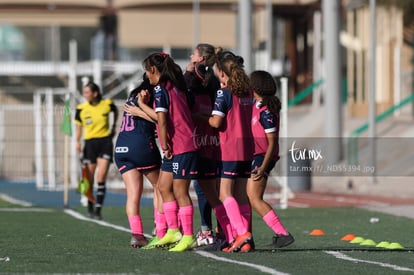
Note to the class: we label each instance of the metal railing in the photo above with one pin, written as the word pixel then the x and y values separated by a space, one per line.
pixel 352 146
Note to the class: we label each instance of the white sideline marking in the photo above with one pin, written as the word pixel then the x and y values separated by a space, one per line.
pixel 264 269
pixel 12 200
pixel 5 259
pixel 342 256
pixel 103 223
pixel 25 210
pixel 261 268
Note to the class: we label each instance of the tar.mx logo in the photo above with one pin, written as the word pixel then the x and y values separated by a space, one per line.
pixel 303 154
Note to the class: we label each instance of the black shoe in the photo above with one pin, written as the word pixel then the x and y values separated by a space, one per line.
pixel 282 240
pixel 252 244
pixel 91 210
pixel 218 245
pixel 97 216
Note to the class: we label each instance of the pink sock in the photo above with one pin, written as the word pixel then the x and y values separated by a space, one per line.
pixel 222 218
pixel 160 224
pixel 179 222
pixel 233 212
pixel 272 220
pixel 246 212
pixel 186 214
pixel 171 214
pixel 135 223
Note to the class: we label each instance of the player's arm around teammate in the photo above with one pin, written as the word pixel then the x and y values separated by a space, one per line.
pixel 136 156
pixel 175 133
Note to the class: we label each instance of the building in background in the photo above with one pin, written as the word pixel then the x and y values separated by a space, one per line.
pixel 124 30
pixel 113 36
pixel 11 43
pixel 286 37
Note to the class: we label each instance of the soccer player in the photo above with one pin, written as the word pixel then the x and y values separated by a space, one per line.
pixel 265 128
pixel 175 130
pixel 202 84
pixel 136 155
pixel 231 115
pixel 92 120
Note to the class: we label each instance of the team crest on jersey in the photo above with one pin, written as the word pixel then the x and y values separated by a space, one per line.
pixel 219 93
pixel 157 89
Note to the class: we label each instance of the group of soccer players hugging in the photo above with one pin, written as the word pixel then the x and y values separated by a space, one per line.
pixel 217 128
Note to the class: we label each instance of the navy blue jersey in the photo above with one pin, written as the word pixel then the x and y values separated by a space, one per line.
pixel 135 146
pixel 134 125
pixel 264 122
pixel 236 139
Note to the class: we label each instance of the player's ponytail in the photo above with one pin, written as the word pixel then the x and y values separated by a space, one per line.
pixel 168 69
pixel 204 69
pixel 265 86
pixel 232 66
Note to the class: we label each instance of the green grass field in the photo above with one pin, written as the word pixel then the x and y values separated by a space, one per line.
pixel 48 240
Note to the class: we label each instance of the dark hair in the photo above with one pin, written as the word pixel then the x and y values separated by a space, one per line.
pixel 204 70
pixel 264 85
pixel 94 88
pixel 169 70
pixel 232 66
pixel 144 85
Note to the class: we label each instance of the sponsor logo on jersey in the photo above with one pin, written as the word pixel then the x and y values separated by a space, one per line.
pixel 121 150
